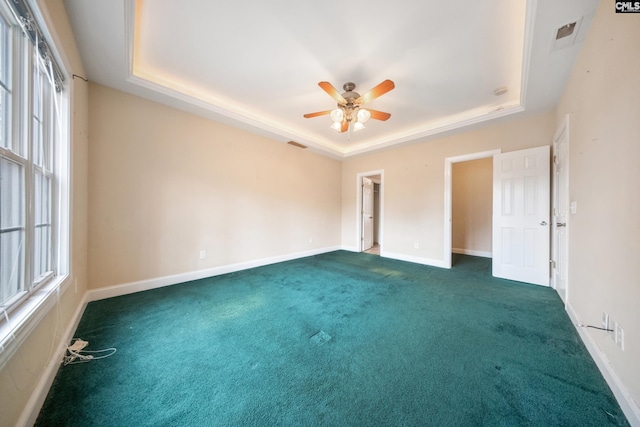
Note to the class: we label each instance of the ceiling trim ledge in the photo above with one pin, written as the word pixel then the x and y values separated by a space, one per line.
pixel 435 131
pixel 529 32
pixel 154 90
pixel 208 109
pixel 130 31
pixel 215 112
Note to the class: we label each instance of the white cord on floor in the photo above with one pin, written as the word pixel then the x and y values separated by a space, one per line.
pixel 76 354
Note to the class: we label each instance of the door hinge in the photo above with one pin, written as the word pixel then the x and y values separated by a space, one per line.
pixel 553 263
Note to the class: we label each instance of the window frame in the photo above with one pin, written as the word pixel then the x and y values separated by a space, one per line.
pixel 22 312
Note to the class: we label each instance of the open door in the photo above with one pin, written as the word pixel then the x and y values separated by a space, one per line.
pixel 521 186
pixel 367 214
pixel 560 204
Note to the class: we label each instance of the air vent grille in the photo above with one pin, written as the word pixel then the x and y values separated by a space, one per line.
pixel 567 35
pixel 565 31
pixel 297 144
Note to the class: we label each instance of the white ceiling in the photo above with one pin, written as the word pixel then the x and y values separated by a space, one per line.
pixel 256 64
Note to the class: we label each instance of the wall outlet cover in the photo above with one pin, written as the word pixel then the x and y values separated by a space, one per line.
pixel 619 333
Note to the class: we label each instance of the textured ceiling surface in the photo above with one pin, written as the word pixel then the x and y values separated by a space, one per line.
pixel 256 65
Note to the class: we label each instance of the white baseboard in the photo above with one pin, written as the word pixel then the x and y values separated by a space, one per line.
pixel 472 252
pixel 159 282
pixel 624 398
pixel 410 258
pixel 402 257
pixel 32 409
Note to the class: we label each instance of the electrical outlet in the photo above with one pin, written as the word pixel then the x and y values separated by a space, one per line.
pixel 619 334
pixel 573 208
pixel 203 254
pixel 605 320
pixel 416 245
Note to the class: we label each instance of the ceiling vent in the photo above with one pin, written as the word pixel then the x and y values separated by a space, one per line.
pixel 565 36
pixel 565 31
pixel 297 144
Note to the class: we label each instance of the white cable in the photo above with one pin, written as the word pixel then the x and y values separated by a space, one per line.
pixel 82 358
pixel 14 269
pixel 77 354
pixel 11 330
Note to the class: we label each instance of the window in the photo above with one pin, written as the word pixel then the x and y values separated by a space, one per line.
pixel 31 161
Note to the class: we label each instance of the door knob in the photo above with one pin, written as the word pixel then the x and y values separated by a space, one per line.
pixel 543 222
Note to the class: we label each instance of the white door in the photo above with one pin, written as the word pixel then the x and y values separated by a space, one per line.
pixel 521 215
pixel 367 213
pixel 560 203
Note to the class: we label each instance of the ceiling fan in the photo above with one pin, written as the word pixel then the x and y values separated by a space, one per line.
pixel 350 105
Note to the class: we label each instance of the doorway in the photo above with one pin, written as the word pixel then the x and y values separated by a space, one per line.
pixel 369 214
pixel 448 205
pixel 472 207
pixel 521 208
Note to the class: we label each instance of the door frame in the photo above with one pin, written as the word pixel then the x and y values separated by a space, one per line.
pixel 448 190
pixel 562 131
pixel 359 208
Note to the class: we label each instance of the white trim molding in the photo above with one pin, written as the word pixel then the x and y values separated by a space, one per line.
pixel 410 258
pixel 34 404
pixel 359 177
pixel 448 199
pixel 483 254
pixel 27 317
pixel 625 400
pixel 159 282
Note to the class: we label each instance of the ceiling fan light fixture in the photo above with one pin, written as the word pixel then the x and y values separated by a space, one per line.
pixel 349 116
pixel 363 115
pixel 337 115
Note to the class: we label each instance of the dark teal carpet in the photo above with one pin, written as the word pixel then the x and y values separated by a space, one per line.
pixel 340 339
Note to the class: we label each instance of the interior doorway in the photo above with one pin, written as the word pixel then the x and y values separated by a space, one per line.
pixel 471 201
pixel 448 205
pixel 370 212
pixel 521 208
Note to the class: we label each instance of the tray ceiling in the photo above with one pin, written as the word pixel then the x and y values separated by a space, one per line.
pixel 256 65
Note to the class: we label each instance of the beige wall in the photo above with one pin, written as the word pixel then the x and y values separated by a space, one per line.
pixel 471 206
pixel 602 100
pixel 21 374
pixel 414 183
pixel 165 185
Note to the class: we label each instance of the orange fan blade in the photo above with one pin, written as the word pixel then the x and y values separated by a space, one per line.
pixel 316 114
pixel 378 115
pixel 345 126
pixel 332 91
pixel 377 91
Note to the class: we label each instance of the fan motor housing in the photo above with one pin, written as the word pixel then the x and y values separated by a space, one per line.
pixel 349 95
